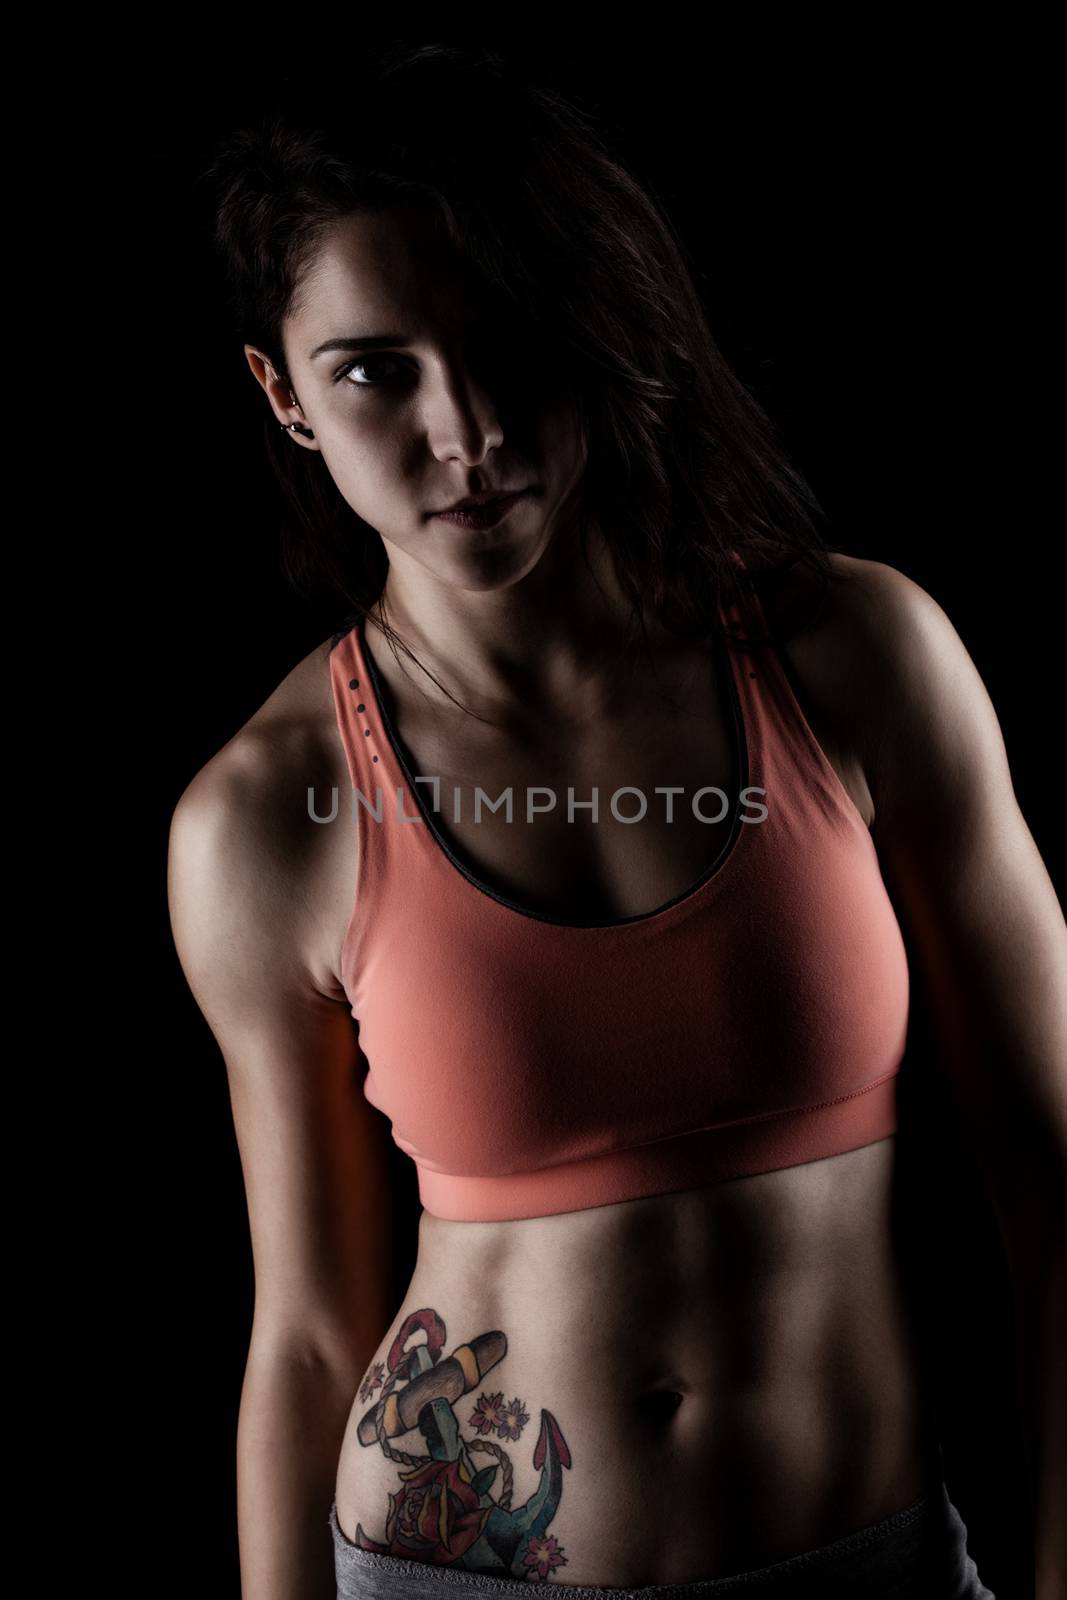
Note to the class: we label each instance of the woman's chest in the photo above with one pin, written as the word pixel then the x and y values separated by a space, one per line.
pixel 585 823
pixel 615 813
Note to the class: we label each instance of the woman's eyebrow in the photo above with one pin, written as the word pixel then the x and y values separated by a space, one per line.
pixel 358 341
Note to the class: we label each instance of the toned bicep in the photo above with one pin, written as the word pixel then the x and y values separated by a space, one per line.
pixel 314 1152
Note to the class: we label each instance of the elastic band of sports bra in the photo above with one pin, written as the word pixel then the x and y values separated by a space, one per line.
pixel 691 1160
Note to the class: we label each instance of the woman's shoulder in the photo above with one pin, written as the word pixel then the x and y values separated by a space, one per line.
pixel 244 833
pixel 853 648
pixel 250 799
pixel 859 590
pixel 884 667
pixel 287 739
pixel 858 625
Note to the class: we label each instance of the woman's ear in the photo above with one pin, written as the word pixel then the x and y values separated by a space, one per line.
pixel 279 391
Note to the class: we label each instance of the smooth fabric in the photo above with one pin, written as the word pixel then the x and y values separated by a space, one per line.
pixel 530 1065
pixel 918 1553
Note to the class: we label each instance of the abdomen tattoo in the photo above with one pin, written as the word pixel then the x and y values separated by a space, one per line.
pixel 444 1512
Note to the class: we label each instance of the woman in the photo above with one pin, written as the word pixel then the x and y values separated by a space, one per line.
pixel 635 766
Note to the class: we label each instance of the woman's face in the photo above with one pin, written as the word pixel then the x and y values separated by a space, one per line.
pixel 450 404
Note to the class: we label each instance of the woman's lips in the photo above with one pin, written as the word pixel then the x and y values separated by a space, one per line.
pixel 482 516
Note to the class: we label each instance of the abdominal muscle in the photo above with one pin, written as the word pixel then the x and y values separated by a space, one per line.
pixel 680 1387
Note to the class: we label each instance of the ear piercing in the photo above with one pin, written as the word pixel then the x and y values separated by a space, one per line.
pixel 295 427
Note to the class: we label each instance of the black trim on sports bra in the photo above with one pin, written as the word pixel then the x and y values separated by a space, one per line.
pixel 403 756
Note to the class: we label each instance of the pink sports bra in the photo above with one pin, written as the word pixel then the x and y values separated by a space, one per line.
pixel 531 1066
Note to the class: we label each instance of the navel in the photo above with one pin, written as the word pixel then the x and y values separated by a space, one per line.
pixel 659 1405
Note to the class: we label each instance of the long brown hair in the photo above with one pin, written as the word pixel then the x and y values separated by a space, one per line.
pixel 684 471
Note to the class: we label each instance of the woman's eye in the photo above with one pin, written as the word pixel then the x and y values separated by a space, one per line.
pixel 363 363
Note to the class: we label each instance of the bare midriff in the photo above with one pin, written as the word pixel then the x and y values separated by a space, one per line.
pixel 685 1386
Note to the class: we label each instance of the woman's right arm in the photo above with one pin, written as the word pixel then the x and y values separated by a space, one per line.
pixel 248 928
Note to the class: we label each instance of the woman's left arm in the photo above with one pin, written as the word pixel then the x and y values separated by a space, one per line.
pixel 989 932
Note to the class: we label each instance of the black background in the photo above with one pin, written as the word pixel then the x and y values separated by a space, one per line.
pixel 870 216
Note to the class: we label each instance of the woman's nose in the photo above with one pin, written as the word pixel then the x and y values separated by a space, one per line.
pixel 463 418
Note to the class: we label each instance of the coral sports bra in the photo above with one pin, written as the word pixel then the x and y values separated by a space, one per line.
pixel 531 1066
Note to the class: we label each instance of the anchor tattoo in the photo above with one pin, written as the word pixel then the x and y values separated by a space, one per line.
pixel 444 1513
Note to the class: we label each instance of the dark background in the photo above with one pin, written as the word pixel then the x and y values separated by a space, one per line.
pixel 869 216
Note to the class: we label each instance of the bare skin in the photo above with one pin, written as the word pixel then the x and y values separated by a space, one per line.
pixel 731 1369
pixel 706 1381
pixel 727 1372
